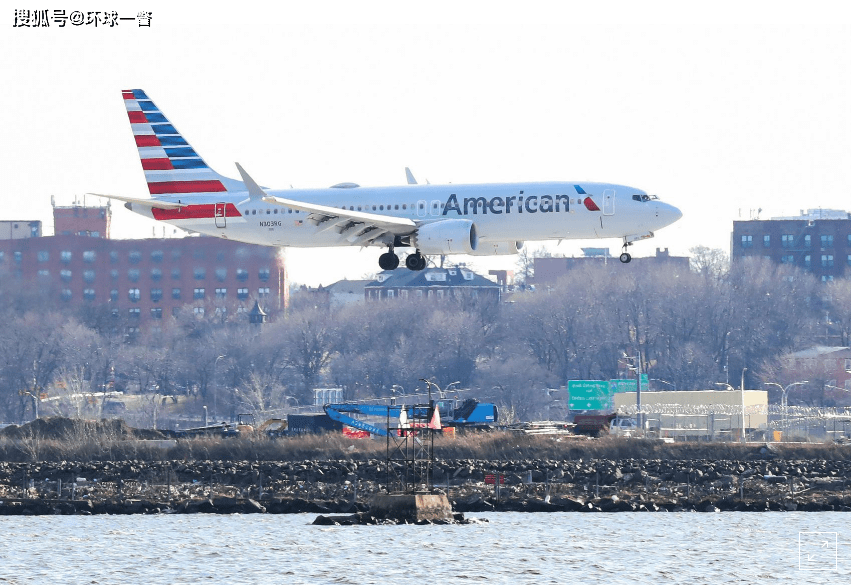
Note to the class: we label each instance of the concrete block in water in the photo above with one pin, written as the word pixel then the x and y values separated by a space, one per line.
pixel 411 507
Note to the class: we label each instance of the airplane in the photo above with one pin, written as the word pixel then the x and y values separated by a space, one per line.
pixel 473 219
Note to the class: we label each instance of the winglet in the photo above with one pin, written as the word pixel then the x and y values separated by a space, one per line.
pixel 410 176
pixel 255 192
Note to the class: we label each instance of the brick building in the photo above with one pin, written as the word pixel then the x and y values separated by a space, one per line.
pixel 818 241
pixel 143 281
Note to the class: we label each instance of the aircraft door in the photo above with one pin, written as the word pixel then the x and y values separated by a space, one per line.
pixel 421 208
pixel 435 207
pixel 219 214
pixel 609 202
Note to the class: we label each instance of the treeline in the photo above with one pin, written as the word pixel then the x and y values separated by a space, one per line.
pixel 694 330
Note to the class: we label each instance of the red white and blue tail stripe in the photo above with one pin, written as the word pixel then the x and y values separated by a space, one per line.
pixel 171 165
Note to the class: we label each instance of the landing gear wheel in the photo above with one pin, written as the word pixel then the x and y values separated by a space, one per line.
pixel 625 257
pixel 388 261
pixel 415 262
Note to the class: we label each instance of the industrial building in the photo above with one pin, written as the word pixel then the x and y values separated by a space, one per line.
pixel 713 415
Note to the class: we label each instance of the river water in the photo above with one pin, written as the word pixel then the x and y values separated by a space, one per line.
pixel 512 548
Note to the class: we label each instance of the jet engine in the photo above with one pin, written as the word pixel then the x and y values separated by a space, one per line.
pixel 497 248
pixel 447 237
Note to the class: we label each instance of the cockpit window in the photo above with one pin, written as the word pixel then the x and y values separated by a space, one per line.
pixel 643 197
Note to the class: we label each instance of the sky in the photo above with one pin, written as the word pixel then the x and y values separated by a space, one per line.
pixel 721 109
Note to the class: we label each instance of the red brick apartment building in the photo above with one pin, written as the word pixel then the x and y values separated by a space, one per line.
pixel 144 280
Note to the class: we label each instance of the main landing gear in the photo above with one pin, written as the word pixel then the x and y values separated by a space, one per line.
pixel 416 261
pixel 388 261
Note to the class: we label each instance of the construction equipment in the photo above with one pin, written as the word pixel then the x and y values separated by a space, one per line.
pixel 593 425
pixel 466 415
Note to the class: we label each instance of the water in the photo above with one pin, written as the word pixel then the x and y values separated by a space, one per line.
pixel 516 548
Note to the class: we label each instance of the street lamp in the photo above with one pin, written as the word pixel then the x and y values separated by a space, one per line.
pixel 216 388
pixel 659 380
pixel 744 439
pixel 784 405
pixel 637 369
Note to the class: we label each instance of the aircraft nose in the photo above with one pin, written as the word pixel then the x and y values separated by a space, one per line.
pixel 668 214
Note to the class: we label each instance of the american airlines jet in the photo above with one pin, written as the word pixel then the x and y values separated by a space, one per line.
pixel 475 219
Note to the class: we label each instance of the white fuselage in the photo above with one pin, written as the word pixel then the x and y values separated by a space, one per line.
pixel 501 212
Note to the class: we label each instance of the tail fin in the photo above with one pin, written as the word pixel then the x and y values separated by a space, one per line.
pixel 171 165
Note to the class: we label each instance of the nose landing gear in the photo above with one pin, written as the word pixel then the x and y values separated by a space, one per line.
pixel 625 257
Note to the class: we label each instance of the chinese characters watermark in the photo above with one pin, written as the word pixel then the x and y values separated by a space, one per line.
pixel 61 18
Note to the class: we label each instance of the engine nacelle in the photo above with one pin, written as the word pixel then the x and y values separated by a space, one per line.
pixel 496 248
pixel 447 237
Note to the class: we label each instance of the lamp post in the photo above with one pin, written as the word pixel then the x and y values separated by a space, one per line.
pixel 216 388
pixel 637 369
pixel 784 404
pixel 744 438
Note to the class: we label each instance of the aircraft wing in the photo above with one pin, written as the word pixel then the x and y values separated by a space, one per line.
pixel 355 227
pixel 145 202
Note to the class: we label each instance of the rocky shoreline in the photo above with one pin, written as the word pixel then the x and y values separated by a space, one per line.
pixel 346 486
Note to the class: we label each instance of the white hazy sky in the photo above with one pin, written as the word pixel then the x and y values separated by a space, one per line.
pixel 720 108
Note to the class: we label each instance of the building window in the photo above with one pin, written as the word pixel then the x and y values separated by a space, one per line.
pixel 787 259
pixel 849 260
pixel 848 365
pixel 808 241
pixel 18 257
pixel 43 273
pixel 156 274
pixel 89 276
pixel 787 240
pixel 133 275
pixel 241 274
pixel 113 256
pixel 221 274
pixel 89 256
pixel 89 294
pixel 113 295
pixel 66 295
pixel 156 294
pixel 766 241
pixel 65 274
pixel 747 241
pixel 827 240
pixel 391 293
pixel 157 312
pixel 134 294
pixel 221 293
pixel 263 274
pixel 242 292
pixel 198 293
pixel 65 256
pixel 199 311
pixel 175 293
pixel 200 273
pixel 135 256
pixel 827 260
pixel 198 253
pixel 808 261
pixel 157 255
pixel 263 291
pixel 43 256
pixel 826 278
pixel 134 312
pixel 175 274
pixel 175 311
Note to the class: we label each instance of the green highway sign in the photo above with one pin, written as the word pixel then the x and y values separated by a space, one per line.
pixel 594 395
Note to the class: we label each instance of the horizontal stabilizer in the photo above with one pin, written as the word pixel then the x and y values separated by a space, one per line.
pixel 146 202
